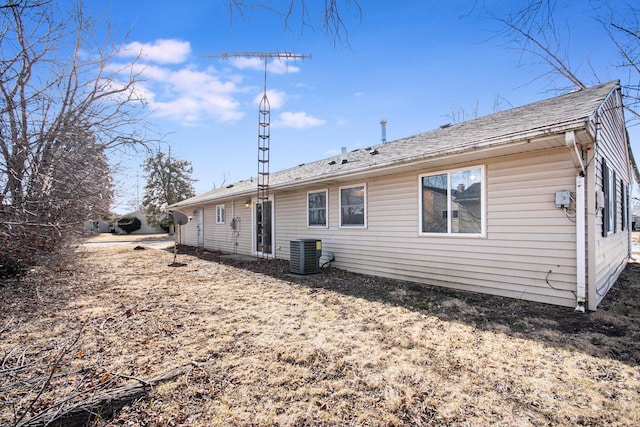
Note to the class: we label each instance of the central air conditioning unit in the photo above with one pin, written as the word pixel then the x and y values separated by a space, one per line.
pixel 305 256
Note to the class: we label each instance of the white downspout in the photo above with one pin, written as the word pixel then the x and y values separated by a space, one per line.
pixel 581 269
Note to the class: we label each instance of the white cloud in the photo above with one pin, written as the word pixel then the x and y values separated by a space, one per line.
pixel 341 120
pixel 162 51
pixel 282 67
pixel 122 93
pixel 187 95
pixel 276 98
pixel 243 63
pixel 190 96
pixel 190 110
pixel 298 120
pixel 275 65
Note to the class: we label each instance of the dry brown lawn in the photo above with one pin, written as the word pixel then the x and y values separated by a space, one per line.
pixel 264 347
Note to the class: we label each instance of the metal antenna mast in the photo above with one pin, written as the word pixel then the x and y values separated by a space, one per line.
pixel 264 244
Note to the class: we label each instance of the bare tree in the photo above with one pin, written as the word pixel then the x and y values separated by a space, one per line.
pixel 534 31
pixel 331 13
pixel 61 109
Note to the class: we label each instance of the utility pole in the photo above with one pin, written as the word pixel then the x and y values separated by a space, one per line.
pixel 264 243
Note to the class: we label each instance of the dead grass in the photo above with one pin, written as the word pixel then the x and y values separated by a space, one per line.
pixel 273 349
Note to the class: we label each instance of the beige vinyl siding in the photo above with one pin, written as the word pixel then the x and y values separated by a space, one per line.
pixel 187 234
pixel 290 221
pixel 523 221
pixel 218 237
pixel 242 240
pixel 221 237
pixel 529 241
pixel 611 252
pixel 211 229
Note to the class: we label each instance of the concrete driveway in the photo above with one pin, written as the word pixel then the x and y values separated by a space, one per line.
pixel 156 241
pixel 636 246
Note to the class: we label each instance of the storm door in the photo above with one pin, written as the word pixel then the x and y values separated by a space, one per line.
pixel 264 228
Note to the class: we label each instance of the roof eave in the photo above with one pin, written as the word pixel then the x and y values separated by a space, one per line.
pixel 491 144
pixel 512 140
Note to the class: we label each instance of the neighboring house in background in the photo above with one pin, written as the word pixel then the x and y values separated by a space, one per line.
pixel 99 226
pixel 529 203
pixel 144 227
pixel 635 216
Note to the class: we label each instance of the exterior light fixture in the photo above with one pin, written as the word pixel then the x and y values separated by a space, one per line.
pixel 247 204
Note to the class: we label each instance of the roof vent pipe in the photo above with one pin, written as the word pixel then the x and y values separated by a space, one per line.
pixel 343 156
pixel 383 129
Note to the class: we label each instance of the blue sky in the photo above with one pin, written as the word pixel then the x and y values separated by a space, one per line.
pixel 418 64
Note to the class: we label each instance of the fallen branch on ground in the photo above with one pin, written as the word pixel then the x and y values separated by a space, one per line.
pixel 103 404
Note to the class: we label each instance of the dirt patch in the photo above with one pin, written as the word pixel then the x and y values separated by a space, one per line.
pixel 336 348
pixel 618 316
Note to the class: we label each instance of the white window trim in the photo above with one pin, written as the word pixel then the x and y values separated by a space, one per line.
pixel 483 203
pixel 224 210
pixel 364 186
pixel 326 208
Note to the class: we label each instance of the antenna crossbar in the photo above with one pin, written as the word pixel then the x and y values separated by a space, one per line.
pixel 261 55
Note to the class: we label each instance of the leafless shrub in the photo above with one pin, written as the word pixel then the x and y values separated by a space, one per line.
pixel 62 108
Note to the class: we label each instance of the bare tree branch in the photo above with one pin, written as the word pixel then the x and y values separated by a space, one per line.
pixel 543 52
pixel 533 30
pixel 332 22
pixel 633 34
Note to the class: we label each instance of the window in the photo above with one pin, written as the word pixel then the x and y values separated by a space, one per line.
pixel 453 202
pixel 317 208
pixel 353 206
pixel 220 214
pixel 609 190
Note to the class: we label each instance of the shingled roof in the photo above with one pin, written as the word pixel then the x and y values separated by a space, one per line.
pixel 561 113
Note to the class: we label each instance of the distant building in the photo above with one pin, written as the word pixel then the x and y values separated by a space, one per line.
pixel 99 226
pixel 144 227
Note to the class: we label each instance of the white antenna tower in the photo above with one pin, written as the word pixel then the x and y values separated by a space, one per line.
pixel 264 246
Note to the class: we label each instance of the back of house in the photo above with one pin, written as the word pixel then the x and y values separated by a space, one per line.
pixel 529 203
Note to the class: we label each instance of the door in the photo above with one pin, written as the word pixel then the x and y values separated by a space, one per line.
pixel 263 218
pixel 200 216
